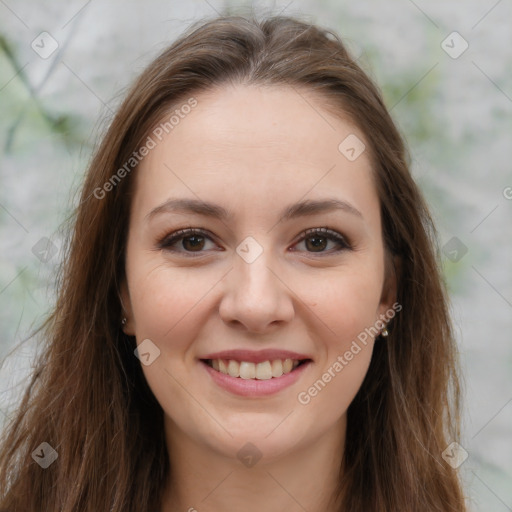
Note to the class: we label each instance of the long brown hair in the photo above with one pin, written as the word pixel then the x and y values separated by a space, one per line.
pixel 88 398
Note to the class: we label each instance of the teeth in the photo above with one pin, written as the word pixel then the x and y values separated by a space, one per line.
pixel 264 370
pixel 233 368
pixel 247 370
pixel 277 368
pixel 287 366
pixel 261 371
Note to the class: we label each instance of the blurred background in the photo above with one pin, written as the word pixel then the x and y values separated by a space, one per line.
pixel 445 68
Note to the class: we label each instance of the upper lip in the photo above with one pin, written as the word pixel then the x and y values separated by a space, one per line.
pixel 258 356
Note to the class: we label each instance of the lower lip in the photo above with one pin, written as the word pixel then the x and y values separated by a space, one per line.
pixel 255 387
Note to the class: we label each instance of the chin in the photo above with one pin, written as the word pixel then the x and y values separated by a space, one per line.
pixel 270 436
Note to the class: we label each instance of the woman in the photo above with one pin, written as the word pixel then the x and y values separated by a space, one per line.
pixel 251 314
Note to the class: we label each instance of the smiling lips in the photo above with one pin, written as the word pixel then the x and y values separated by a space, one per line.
pixel 262 365
pixel 247 370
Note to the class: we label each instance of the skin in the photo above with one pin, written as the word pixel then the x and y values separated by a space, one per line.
pixel 254 150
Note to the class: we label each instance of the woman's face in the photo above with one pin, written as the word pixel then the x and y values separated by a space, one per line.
pixel 251 169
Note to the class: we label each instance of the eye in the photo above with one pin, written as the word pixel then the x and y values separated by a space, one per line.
pixel 195 240
pixel 192 240
pixel 316 240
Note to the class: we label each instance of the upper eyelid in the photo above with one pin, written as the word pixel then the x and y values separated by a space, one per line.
pixel 174 237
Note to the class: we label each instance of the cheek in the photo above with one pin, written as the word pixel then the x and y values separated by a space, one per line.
pixel 346 302
pixel 345 312
pixel 169 307
pixel 164 299
pixel 338 376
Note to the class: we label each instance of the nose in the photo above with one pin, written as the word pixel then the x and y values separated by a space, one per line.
pixel 255 298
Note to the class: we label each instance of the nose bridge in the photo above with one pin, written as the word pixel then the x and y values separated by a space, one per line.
pixel 255 283
pixel 253 263
pixel 255 296
pixel 256 278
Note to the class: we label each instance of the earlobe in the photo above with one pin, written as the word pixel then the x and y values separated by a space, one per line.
pixel 390 286
pixel 126 322
pixel 388 304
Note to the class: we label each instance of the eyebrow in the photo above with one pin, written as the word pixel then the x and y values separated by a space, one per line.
pixel 207 209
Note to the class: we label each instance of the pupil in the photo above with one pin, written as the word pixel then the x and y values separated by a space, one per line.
pixel 193 241
pixel 317 242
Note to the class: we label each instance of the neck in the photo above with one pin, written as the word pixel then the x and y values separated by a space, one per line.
pixel 203 480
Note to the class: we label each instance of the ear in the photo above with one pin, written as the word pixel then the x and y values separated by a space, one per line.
pixel 390 286
pixel 126 308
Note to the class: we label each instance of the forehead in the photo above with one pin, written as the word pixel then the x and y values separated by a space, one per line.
pixel 261 144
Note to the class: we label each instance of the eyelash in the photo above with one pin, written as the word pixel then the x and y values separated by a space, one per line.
pixel 167 241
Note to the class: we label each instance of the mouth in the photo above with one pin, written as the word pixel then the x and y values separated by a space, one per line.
pixel 263 370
